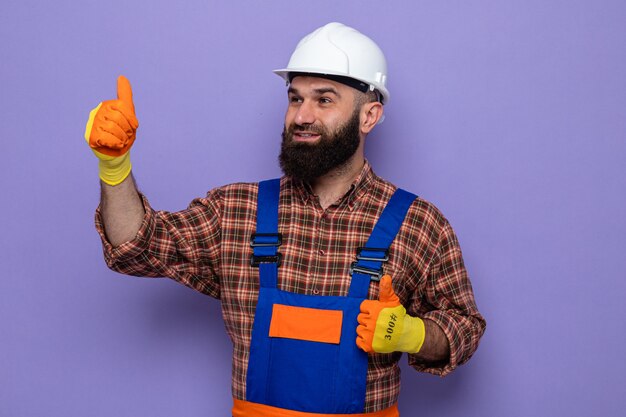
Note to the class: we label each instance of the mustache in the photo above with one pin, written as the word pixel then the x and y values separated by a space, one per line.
pixel 313 128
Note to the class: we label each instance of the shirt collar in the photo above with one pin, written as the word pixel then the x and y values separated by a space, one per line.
pixel 360 184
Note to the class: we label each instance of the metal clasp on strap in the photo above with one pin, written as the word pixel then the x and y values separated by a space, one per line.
pixel 375 275
pixel 256 260
pixel 255 244
pixel 264 240
pixel 383 251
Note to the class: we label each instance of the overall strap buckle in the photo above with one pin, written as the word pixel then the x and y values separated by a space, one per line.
pixel 256 260
pixel 371 254
pixel 374 274
pixel 260 240
pixel 373 258
pixel 265 247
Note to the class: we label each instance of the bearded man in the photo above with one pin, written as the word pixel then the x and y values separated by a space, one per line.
pixel 326 275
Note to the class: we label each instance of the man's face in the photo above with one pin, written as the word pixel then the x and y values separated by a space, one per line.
pixel 322 128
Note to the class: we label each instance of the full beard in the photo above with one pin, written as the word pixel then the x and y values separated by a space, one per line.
pixel 308 161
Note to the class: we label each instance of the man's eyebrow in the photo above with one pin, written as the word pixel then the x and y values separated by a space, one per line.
pixel 325 90
pixel 318 91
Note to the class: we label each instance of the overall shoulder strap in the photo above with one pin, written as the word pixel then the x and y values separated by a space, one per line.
pixel 266 240
pixel 370 258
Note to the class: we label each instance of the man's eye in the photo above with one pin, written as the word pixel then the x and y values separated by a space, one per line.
pixel 325 100
pixel 295 99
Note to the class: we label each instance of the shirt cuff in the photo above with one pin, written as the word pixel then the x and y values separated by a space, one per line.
pixel 134 247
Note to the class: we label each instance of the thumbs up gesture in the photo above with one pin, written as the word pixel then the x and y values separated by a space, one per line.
pixel 111 131
pixel 385 327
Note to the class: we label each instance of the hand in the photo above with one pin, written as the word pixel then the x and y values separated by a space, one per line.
pixel 385 327
pixel 111 131
pixel 112 125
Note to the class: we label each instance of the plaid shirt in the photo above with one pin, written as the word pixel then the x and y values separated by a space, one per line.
pixel 206 247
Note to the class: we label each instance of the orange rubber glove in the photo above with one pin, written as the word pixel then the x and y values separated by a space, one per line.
pixel 385 327
pixel 111 131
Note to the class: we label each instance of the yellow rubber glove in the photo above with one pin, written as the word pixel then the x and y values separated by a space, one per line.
pixel 111 131
pixel 385 327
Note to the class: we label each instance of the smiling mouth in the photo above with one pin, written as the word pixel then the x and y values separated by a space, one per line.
pixel 305 136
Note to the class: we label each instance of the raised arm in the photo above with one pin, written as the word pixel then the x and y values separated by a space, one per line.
pixel 110 133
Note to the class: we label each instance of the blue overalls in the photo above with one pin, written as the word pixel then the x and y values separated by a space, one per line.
pixel 303 354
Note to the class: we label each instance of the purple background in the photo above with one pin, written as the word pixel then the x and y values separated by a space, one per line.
pixel 509 116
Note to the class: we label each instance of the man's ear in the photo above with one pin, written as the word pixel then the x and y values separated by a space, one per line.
pixel 371 113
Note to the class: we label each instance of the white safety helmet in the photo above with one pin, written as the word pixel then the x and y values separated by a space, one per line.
pixel 338 50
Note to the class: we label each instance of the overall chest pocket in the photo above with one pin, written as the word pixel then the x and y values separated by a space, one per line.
pixel 305 357
pixel 303 323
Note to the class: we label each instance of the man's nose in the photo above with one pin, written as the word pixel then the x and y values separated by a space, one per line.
pixel 305 114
